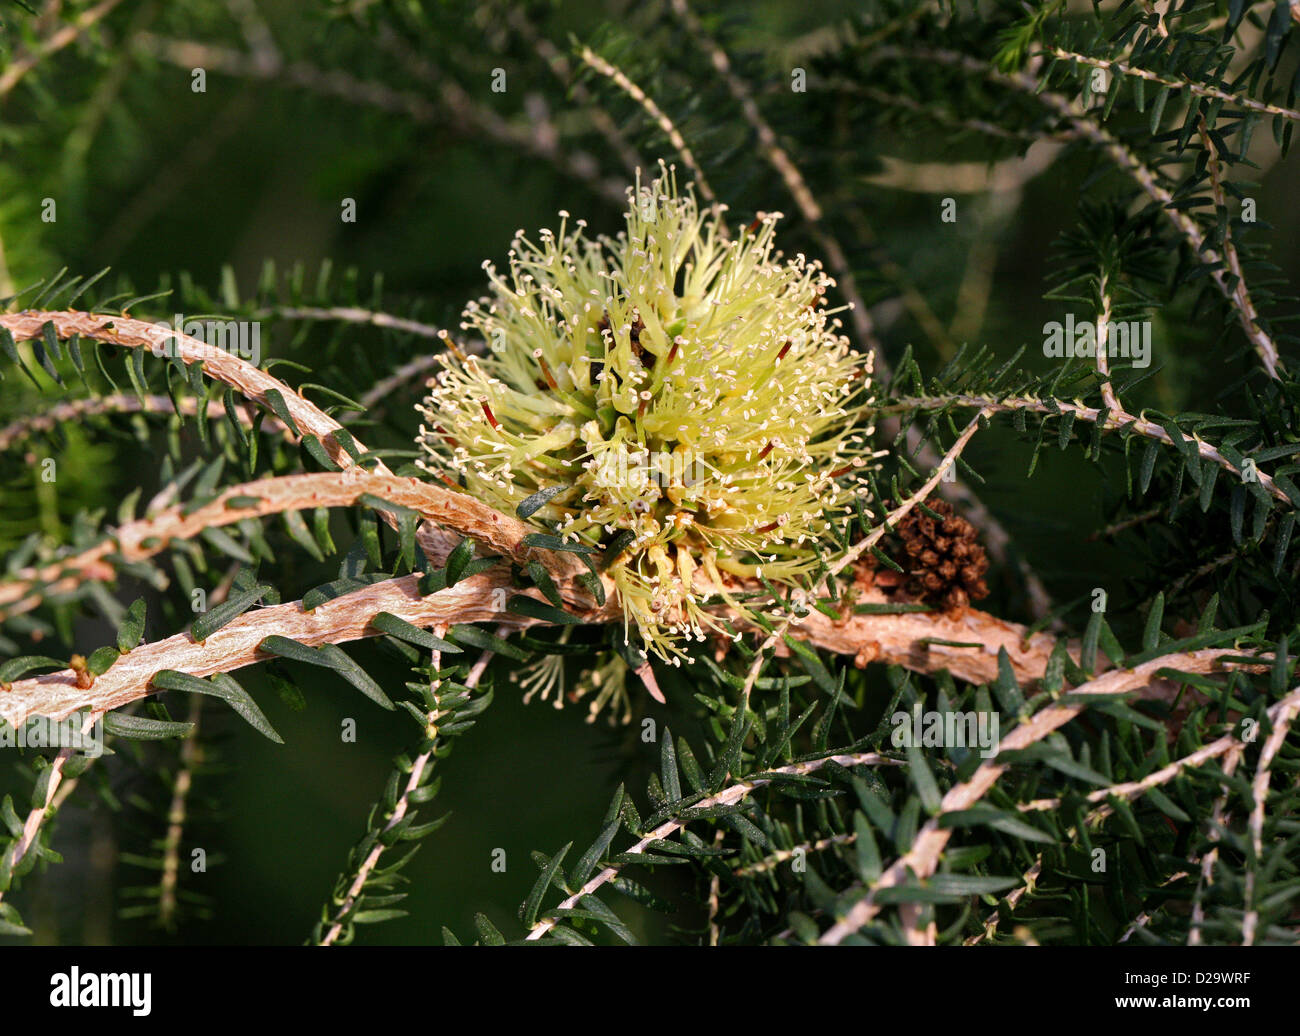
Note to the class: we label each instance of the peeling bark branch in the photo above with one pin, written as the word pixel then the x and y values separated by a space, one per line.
pixel 922 859
pixel 905 639
pixel 235 645
pixel 251 381
pixel 216 363
pixel 139 540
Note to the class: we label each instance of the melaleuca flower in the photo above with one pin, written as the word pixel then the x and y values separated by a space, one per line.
pixel 685 386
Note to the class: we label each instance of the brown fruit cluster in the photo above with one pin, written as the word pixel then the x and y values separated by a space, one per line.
pixel 944 561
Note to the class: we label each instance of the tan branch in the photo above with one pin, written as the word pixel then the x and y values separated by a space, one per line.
pixel 1196 89
pixel 919 641
pixel 1116 420
pixel 856 551
pixel 1083 128
pixel 353 315
pixel 1027 886
pixel 226 367
pixel 727 797
pixel 249 380
pixel 415 776
pixel 921 860
pixel 667 127
pixel 1218 818
pixel 774 860
pixel 147 537
pixel 1281 716
pixel 1278 714
pixel 39 815
pixel 1241 298
pixel 1103 361
pixel 78 409
pixel 191 757
pixel 1230 745
pixel 54 43
pixel 235 645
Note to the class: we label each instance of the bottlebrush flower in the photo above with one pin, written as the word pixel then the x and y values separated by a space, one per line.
pixel 686 386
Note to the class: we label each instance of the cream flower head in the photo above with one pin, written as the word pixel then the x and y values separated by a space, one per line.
pixel 686 389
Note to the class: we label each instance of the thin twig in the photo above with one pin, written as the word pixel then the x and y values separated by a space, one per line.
pixel 122 403
pixel 1281 716
pixel 621 80
pixel 1132 789
pixel 858 549
pixel 40 815
pixel 774 860
pixel 920 861
pixel 727 797
pixel 56 41
pixel 1086 129
pixel 403 805
pixel 1196 89
pixel 352 315
pixel 1218 820
pixel 191 757
pixel 1118 420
